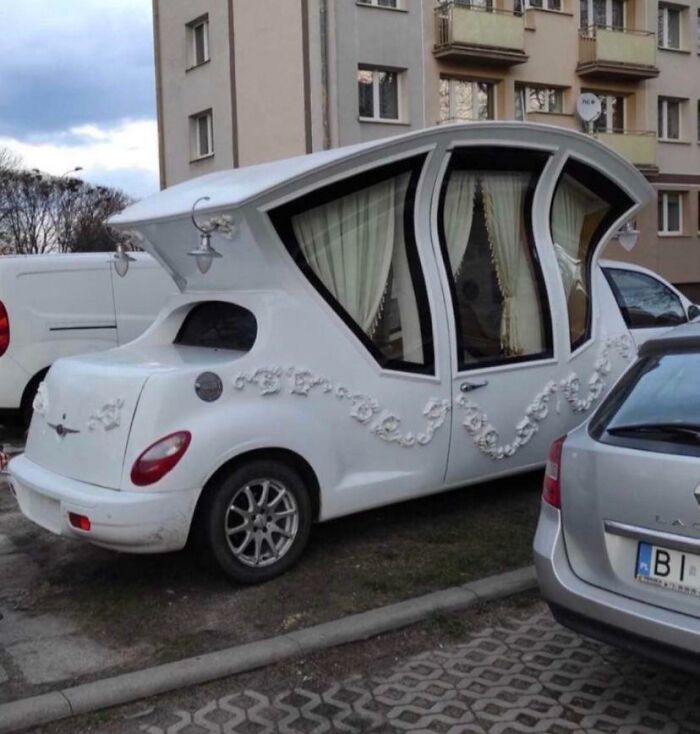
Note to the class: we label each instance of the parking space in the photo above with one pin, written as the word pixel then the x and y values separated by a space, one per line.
pixel 75 612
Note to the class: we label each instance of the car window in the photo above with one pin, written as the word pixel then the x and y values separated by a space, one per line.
pixel 218 325
pixel 656 406
pixel 355 243
pixel 586 205
pixel 485 222
pixel 645 302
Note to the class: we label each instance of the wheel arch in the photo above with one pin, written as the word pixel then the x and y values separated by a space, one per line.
pixel 287 456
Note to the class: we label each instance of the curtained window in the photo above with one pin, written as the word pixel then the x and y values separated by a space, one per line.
pixel 355 242
pixel 498 294
pixel 586 205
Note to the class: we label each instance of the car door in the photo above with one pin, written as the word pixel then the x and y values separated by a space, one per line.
pixel 502 318
pixel 649 307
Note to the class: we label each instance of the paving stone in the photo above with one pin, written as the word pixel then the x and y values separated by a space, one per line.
pixel 525 675
pixel 4 677
pixel 7 547
pixel 54 659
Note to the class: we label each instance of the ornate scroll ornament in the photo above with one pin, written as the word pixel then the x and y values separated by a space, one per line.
pixel 41 400
pixel 109 416
pixel 223 225
pixel 135 236
pixel 364 409
pixel 486 438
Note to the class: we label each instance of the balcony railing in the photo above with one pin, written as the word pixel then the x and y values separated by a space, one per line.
pixel 638 146
pixel 492 36
pixel 606 51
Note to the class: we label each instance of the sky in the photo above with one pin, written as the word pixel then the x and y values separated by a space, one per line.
pixel 77 88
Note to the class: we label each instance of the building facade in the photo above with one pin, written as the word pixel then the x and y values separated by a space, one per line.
pixel 244 81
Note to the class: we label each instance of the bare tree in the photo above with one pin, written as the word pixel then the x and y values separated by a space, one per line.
pixel 41 213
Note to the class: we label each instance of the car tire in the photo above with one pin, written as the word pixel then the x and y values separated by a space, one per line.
pixel 253 536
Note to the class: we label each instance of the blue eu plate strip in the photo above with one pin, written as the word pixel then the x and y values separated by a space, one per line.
pixel 644 562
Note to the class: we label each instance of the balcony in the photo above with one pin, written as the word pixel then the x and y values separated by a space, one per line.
pixel 616 54
pixel 638 147
pixel 465 33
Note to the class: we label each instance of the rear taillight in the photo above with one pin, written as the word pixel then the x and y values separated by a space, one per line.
pixel 551 490
pixel 4 329
pixel 160 458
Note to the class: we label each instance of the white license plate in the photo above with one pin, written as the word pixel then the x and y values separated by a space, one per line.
pixel 669 568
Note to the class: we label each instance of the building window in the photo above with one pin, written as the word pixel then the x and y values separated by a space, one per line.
pixel 380 3
pixel 537 99
pixel 697 33
pixel 698 121
pixel 603 14
pixel 520 5
pixel 669 26
pixel 202 135
pixel 464 99
pixel 670 212
pixel 198 41
pixel 669 118
pixel 612 116
pixel 379 94
pixel 355 242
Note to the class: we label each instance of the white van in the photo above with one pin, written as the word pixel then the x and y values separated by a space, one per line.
pixel 356 327
pixel 55 306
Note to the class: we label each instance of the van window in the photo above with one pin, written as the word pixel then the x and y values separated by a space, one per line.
pixel 485 221
pixel 586 204
pixel 645 302
pixel 355 243
pixel 218 325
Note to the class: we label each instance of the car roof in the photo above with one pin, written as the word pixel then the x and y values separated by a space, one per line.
pixel 232 188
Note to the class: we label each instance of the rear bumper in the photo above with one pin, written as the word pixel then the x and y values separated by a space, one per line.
pixel 664 635
pixel 133 522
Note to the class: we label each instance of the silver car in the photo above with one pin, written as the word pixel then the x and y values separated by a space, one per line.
pixel 617 547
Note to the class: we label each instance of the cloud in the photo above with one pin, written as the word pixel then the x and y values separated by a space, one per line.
pixel 66 62
pixel 124 155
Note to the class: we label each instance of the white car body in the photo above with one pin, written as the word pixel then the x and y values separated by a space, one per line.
pixel 62 305
pixel 658 304
pixel 309 391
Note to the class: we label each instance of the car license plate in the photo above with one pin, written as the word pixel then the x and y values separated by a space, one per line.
pixel 669 568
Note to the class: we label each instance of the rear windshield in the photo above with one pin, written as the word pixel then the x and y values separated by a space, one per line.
pixel 219 325
pixel 656 407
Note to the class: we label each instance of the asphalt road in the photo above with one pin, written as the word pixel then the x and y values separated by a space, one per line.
pixel 508 668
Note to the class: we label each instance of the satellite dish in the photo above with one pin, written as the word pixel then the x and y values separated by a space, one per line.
pixel 589 107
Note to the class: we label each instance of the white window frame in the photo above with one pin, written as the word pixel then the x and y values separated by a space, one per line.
pixel 663 122
pixel 609 128
pixel 475 91
pixel 376 99
pixel 546 5
pixel 608 13
pixel 526 88
pixel 663 230
pixel 192 27
pixel 666 9
pixel 197 155
pixel 377 4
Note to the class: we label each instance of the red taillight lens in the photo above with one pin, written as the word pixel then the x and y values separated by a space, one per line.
pixel 160 458
pixel 4 329
pixel 79 521
pixel 551 491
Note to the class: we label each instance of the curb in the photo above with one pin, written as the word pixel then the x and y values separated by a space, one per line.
pixel 130 687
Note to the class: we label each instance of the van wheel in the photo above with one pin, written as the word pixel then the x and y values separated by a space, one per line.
pixel 257 521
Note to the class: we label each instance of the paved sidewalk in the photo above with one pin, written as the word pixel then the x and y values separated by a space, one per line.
pixel 524 674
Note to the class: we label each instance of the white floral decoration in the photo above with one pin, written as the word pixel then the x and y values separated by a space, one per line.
pixel 41 400
pixel 223 225
pixel 487 438
pixel 109 416
pixel 364 409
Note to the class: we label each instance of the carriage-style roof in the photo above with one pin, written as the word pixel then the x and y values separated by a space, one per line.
pixel 236 187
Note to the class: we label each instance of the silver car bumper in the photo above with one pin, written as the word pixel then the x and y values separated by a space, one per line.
pixel 652 631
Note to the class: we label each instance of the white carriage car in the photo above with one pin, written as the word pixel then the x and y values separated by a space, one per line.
pixel 373 323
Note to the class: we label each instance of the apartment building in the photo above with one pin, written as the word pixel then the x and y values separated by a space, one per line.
pixel 245 81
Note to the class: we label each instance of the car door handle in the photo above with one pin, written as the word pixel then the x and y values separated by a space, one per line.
pixel 471 386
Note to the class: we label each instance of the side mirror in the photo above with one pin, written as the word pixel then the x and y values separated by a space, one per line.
pixel 693 311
